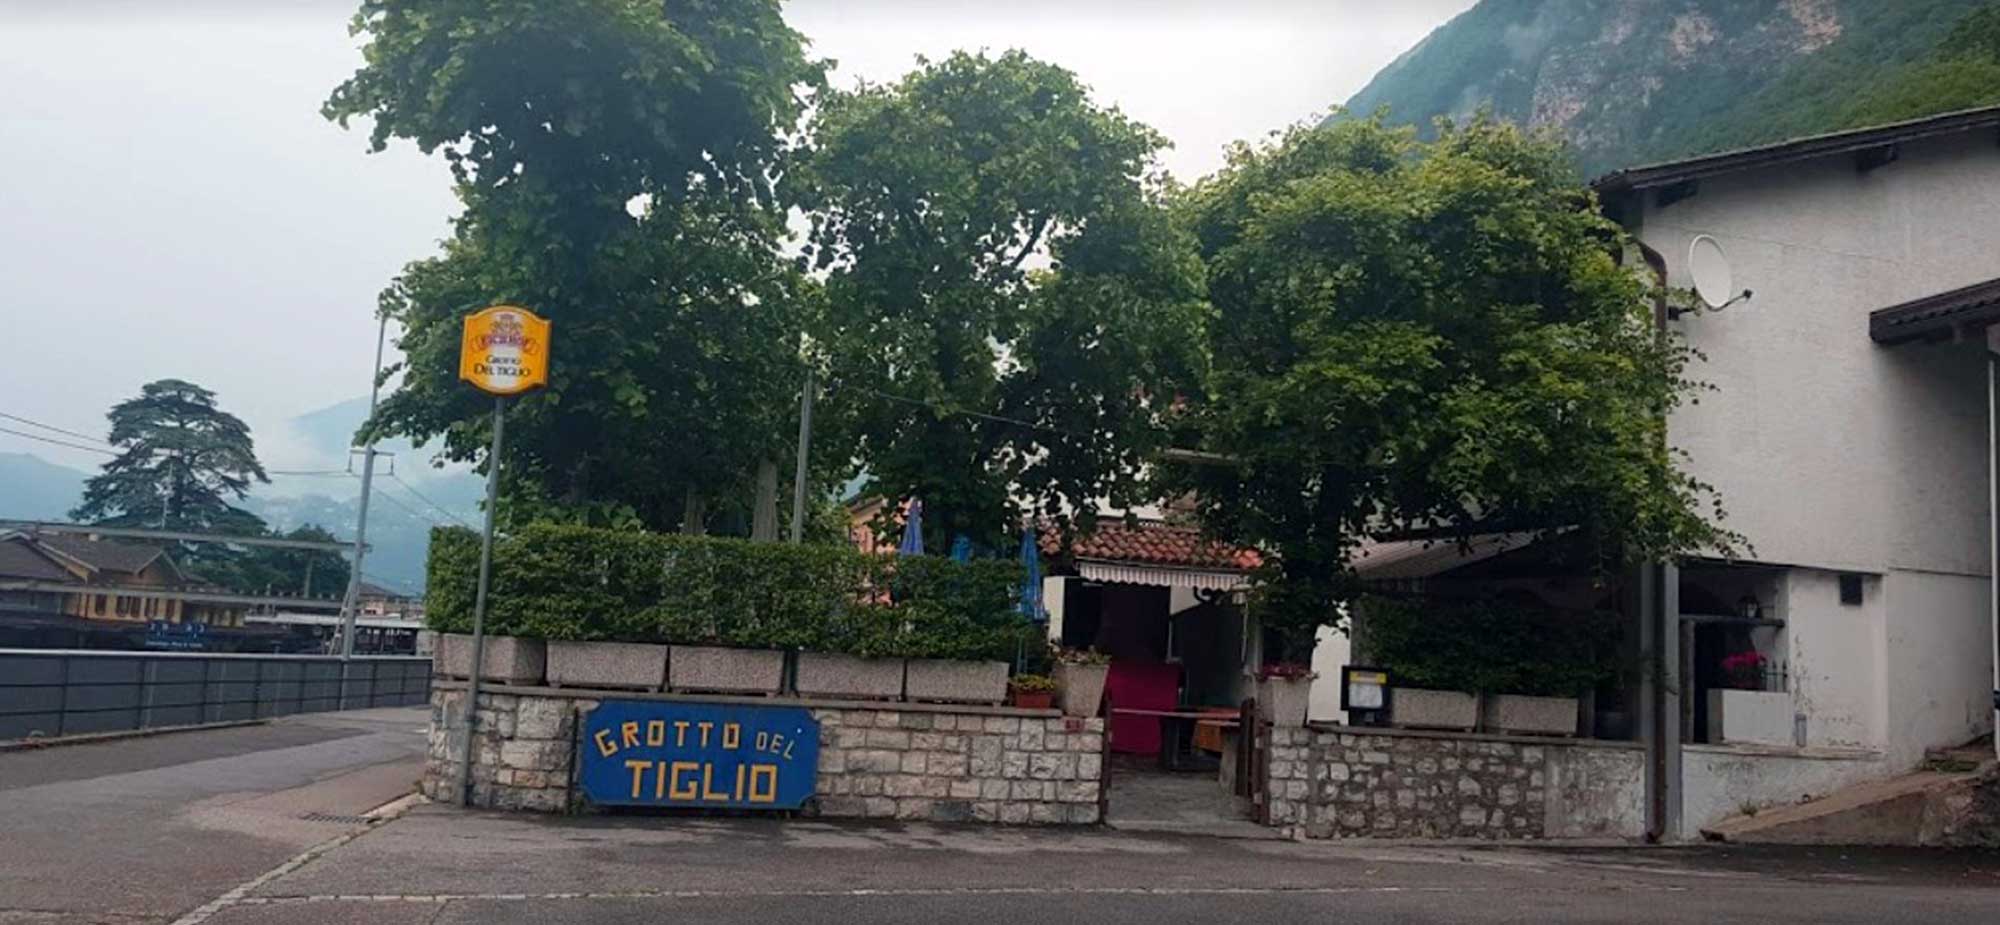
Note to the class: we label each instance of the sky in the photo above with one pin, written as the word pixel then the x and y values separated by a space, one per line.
pixel 172 203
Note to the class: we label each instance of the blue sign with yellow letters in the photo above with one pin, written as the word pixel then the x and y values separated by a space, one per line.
pixel 655 753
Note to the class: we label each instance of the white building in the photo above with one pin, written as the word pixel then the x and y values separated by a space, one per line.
pixel 1850 437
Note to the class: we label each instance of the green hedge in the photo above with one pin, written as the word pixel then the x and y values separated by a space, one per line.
pixel 566 582
pixel 1489 646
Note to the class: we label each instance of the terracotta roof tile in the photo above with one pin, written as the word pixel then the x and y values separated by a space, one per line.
pixel 1152 542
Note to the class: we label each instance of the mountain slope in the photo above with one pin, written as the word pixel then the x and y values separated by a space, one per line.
pixel 1637 81
pixel 34 489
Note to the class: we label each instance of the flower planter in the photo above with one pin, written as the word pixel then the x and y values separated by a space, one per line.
pixel 503 659
pixel 1420 708
pixel 719 670
pixel 1284 701
pixel 951 681
pixel 607 664
pixel 1031 700
pixel 1750 717
pixel 1523 715
pixel 824 675
pixel 1080 688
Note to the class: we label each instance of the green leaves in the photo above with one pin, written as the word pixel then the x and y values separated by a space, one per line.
pixel 568 582
pixel 1007 300
pixel 1491 647
pixel 1425 335
pixel 618 164
pixel 181 461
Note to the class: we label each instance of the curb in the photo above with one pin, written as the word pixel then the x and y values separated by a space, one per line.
pixel 87 738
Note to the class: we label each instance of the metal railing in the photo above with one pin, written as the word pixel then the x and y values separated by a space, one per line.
pixel 59 692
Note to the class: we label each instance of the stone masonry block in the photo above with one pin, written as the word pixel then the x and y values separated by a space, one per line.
pixel 888 738
pixel 542 718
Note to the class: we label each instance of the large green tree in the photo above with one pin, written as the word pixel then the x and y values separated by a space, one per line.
pixel 1008 301
pixel 1434 336
pixel 619 162
pixel 182 463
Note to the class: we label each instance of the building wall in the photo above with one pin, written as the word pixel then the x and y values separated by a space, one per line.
pixel 1834 454
pixel 1883 448
pixel 1940 651
pixel 1719 781
pixel 1838 664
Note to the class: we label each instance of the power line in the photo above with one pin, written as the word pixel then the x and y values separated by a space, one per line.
pixel 308 472
pixel 73 446
pixel 425 498
pixel 413 512
pixel 53 428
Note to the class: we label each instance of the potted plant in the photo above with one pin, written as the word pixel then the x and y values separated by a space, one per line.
pixel 1284 691
pixel 1744 671
pixel 503 659
pixel 1031 691
pixel 1742 710
pixel 598 663
pixel 1080 677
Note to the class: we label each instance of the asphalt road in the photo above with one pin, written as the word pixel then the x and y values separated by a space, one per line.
pixel 205 828
pixel 456 867
pixel 142 830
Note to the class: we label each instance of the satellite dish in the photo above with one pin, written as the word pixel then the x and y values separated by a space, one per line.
pixel 1710 268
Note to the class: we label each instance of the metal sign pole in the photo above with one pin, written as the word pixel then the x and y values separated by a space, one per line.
pixel 469 713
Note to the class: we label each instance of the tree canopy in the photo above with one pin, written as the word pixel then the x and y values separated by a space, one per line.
pixel 1008 301
pixel 181 461
pixel 619 163
pixel 1425 336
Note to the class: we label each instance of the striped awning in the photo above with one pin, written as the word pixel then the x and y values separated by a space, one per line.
pixel 1153 576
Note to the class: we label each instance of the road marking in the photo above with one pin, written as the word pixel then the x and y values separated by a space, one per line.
pixel 240 893
pixel 891 893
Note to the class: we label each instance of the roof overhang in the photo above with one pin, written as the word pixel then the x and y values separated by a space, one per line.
pixel 1402 560
pixel 1871 147
pixel 1944 316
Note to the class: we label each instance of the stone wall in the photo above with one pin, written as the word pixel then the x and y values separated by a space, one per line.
pixel 879 761
pixel 1329 782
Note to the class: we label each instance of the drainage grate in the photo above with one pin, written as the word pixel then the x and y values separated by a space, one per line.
pixel 334 817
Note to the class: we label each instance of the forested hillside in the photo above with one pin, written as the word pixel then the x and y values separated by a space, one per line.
pixel 1637 81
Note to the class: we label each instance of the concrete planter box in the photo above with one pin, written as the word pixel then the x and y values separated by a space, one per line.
pixel 718 670
pixel 950 681
pixel 1420 708
pixel 1523 715
pixel 505 659
pixel 1284 701
pixel 1080 688
pixel 847 676
pixel 1750 717
pixel 607 664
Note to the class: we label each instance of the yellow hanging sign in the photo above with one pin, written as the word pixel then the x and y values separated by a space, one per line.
pixel 505 350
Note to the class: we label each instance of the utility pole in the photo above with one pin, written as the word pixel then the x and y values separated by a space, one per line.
pixel 805 451
pixel 351 602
